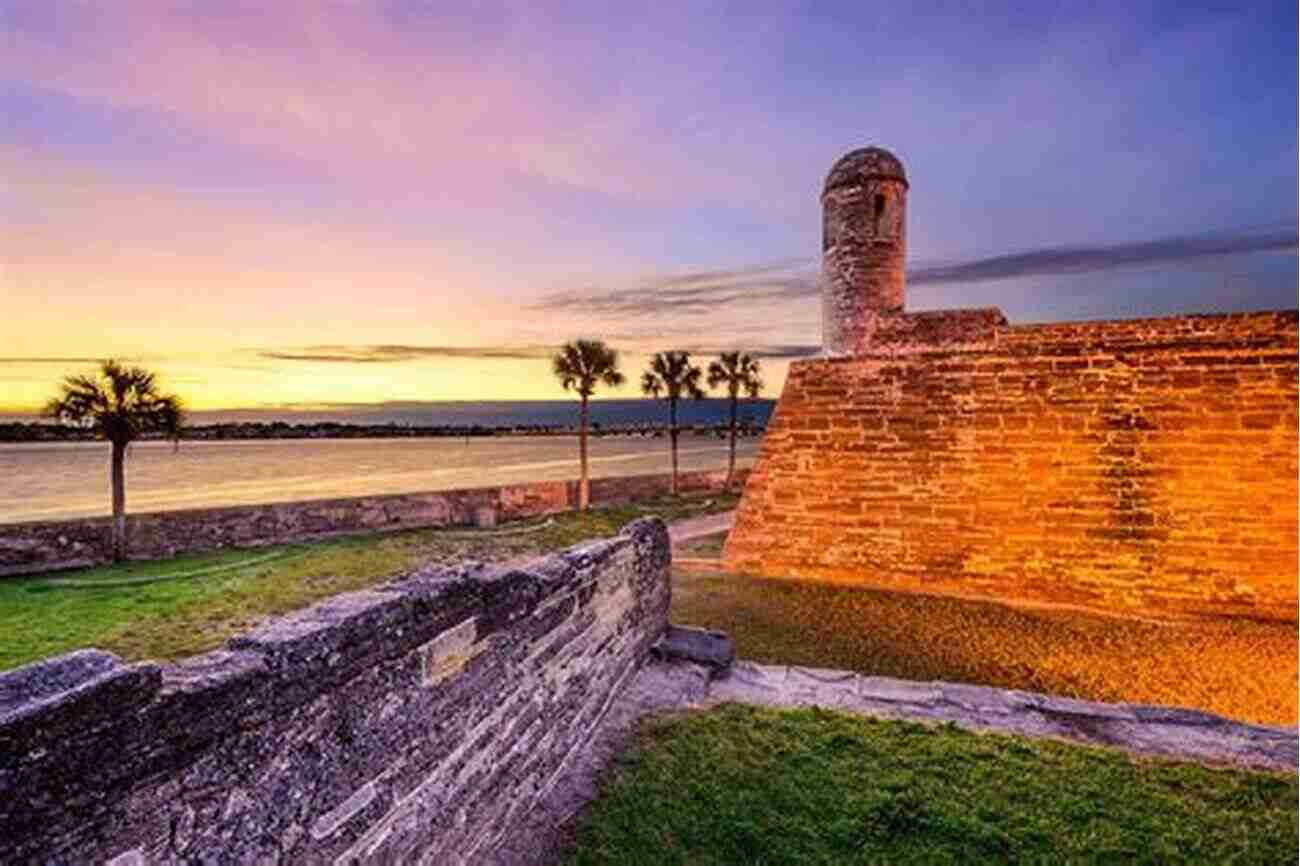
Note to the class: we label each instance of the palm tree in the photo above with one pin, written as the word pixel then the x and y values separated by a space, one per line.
pixel 673 375
pixel 120 404
pixel 580 366
pixel 739 372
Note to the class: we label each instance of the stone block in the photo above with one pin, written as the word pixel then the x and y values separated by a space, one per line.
pixel 714 649
pixel 485 516
pixel 448 653
pixel 49 702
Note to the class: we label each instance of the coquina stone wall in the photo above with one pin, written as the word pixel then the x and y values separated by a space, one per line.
pixel 413 723
pixel 27 548
pixel 1144 465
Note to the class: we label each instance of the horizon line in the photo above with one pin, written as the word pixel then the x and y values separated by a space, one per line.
pixel 35 411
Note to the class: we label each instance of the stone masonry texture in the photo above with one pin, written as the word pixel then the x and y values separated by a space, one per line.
pixel 417 722
pixel 864 208
pixel 27 548
pixel 1143 466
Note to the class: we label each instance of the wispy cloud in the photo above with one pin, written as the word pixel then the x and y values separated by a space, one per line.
pixel 640 344
pixel 764 351
pixel 1080 259
pixel 44 360
pixel 796 278
pixel 390 354
pixel 788 278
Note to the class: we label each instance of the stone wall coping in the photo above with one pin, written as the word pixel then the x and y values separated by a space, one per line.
pixel 1200 332
pixel 33 683
pixel 978 313
pixel 1173 732
pixel 1192 322
pixel 82 691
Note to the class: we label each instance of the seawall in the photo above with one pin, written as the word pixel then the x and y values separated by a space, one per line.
pixel 415 722
pixel 36 546
pixel 1144 466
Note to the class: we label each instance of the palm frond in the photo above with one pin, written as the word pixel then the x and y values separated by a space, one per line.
pixel 582 364
pixel 120 403
pixel 676 375
pixel 738 371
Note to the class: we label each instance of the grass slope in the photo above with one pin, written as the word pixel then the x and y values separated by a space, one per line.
pixel 231 591
pixel 744 785
pixel 1237 668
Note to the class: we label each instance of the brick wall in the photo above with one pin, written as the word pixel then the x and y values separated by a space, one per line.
pixel 1144 465
pixel 27 548
pixel 414 722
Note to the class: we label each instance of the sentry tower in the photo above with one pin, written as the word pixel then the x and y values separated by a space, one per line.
pixel 864 216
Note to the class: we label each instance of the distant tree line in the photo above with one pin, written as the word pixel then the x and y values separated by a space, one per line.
pixel 46 431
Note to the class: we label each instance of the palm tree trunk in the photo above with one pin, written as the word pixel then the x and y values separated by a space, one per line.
pixel 731 453
pixel 584 492
pixel 672 434
pixel 119 501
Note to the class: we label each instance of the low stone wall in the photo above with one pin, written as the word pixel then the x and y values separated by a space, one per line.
pixel 415 722
pixel 28 548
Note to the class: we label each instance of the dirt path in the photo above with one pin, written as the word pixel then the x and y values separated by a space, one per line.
pixel 694 527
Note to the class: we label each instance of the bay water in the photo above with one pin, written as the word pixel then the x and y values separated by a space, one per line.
pixel 62 480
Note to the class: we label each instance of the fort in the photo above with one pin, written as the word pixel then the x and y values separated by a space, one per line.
pixel 1144 466
pixel 1140 466
pixel 454 715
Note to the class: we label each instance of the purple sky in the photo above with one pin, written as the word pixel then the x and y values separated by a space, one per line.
pixel 271 201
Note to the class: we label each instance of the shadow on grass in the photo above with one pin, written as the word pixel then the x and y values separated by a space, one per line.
pixel 1237 668
pixel 128 609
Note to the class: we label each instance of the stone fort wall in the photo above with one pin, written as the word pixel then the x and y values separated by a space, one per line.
pixel 415 722
pixel 36 546
pixel 1146 466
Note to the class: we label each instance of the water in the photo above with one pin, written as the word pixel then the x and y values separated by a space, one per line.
pixel 485 413
pixel 55 481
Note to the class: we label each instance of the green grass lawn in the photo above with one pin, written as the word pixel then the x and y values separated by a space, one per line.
pixel 213 596
pixel 1237 668
pixel 745 785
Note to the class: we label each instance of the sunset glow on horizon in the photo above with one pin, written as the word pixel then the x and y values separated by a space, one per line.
pixel 364 202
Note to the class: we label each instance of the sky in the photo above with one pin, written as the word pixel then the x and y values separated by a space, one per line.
pixel 342 201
